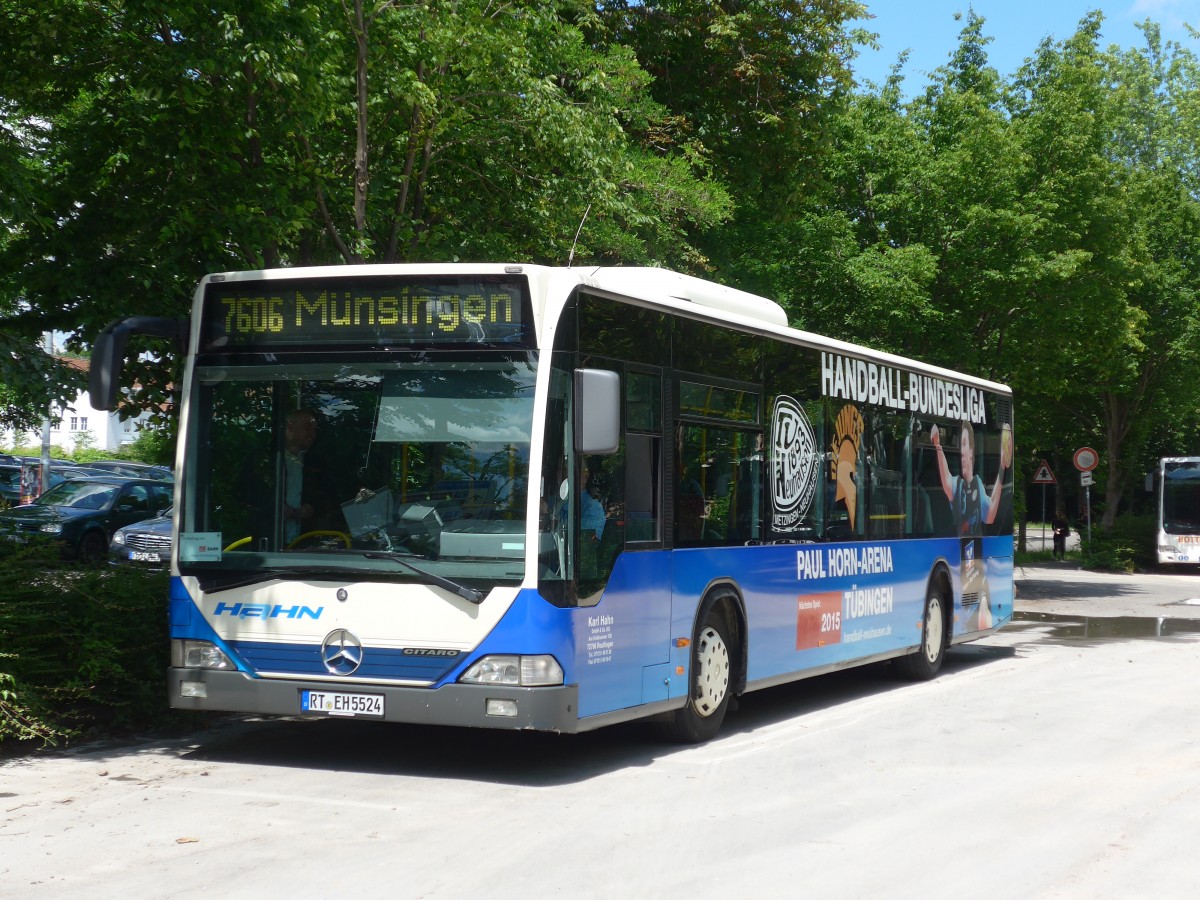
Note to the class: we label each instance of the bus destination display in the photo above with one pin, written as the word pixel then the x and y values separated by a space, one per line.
pixel 250 315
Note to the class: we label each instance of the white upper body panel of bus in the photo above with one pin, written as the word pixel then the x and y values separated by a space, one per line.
pixel 552 286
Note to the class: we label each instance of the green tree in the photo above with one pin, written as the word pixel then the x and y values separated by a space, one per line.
pixel 1110 318
pixel 916 241
pixel 30 379
pixel 752 79
pixel 758 84
pixel 165 142
pixel 491 130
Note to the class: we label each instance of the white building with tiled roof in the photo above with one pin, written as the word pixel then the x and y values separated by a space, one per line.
pixel 80 424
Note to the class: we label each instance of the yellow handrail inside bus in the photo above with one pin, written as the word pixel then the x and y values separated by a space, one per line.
pixel 345 538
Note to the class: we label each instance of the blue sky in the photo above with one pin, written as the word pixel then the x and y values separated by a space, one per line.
pixel 927 28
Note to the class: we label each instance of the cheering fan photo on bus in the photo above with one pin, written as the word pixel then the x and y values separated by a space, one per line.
pixel 973 508
pixel 965 492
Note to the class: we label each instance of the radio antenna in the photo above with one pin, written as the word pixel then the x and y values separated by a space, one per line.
pixel 571 255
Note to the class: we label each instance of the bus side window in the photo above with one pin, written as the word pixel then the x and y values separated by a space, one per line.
pixel 600 519
pixel 641 487
pixel 643 456
pixel 719 485
pixel 886 474
pixel 939 513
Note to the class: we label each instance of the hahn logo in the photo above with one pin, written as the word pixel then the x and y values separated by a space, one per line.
pixel 266 611
pixel 793 463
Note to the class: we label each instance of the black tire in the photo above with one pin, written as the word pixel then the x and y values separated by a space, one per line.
pixel 927 660
pixel 93 548
pixel 711 676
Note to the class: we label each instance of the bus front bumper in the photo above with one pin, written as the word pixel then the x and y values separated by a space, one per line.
pixel 468 705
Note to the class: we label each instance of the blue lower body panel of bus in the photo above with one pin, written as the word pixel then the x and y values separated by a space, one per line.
pixel 803 609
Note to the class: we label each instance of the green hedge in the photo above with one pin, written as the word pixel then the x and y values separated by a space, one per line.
pixel 83 652
pixel 151 446
pixel 1127 547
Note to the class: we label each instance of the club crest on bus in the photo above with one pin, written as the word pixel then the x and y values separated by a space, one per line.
pixel 794 463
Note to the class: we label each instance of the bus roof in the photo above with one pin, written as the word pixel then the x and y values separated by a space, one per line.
pixel 659 287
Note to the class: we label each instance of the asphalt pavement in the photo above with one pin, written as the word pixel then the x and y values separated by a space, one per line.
pixel 1065 589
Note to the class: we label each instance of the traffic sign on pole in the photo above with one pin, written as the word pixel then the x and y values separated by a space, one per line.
pixel 1043 475
pixel 1085 478
pixel 1086 459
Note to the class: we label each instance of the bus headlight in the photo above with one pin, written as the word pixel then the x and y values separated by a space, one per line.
pixel 519 671
pixel 198 655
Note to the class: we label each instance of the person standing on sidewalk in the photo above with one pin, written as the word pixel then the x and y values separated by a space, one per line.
pixel 1061 529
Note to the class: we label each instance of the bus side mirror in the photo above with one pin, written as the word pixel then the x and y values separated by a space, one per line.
pixel 597 411
pixel 108 353
pixel 1149 483
pixel 104 372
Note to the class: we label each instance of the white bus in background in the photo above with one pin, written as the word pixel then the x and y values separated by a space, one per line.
pixel 1176 486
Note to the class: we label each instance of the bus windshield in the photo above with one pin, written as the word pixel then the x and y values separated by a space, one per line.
pixel 362 464
pixel 1181 498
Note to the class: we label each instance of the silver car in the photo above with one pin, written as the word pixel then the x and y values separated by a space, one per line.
pixel 145 543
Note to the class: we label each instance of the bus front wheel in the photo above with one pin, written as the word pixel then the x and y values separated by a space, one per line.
pixel 927 660
pixel 710 679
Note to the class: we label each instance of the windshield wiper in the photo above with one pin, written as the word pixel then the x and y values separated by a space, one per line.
pixel 214 584
pixel 469 594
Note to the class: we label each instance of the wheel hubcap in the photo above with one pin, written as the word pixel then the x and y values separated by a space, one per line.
pixel 712 672
pixel 933 628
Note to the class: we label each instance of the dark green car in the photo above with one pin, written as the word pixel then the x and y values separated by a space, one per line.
pixel 82 514
pixel 10 485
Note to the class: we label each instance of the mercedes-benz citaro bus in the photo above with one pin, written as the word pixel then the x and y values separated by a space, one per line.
pixel 523 497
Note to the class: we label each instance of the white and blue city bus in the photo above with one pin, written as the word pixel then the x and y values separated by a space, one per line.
pixel 1175 482
pixel 517 496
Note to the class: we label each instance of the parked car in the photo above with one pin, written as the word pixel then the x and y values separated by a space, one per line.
pixel 10 485
pixel 10 481
pixel 71 470
pixel 82 513
pixel 145 543
pixel 131 469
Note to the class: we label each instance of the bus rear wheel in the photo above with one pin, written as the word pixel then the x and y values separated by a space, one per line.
pixel 927 660
pixel 711 680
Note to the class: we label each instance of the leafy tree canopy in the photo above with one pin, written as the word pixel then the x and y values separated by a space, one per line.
pixel 1038 228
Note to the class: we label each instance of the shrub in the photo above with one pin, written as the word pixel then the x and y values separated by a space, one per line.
pixel 17 721
pixel 85 650
pixel 153 446
pixel 1126 547
pixel 85 455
